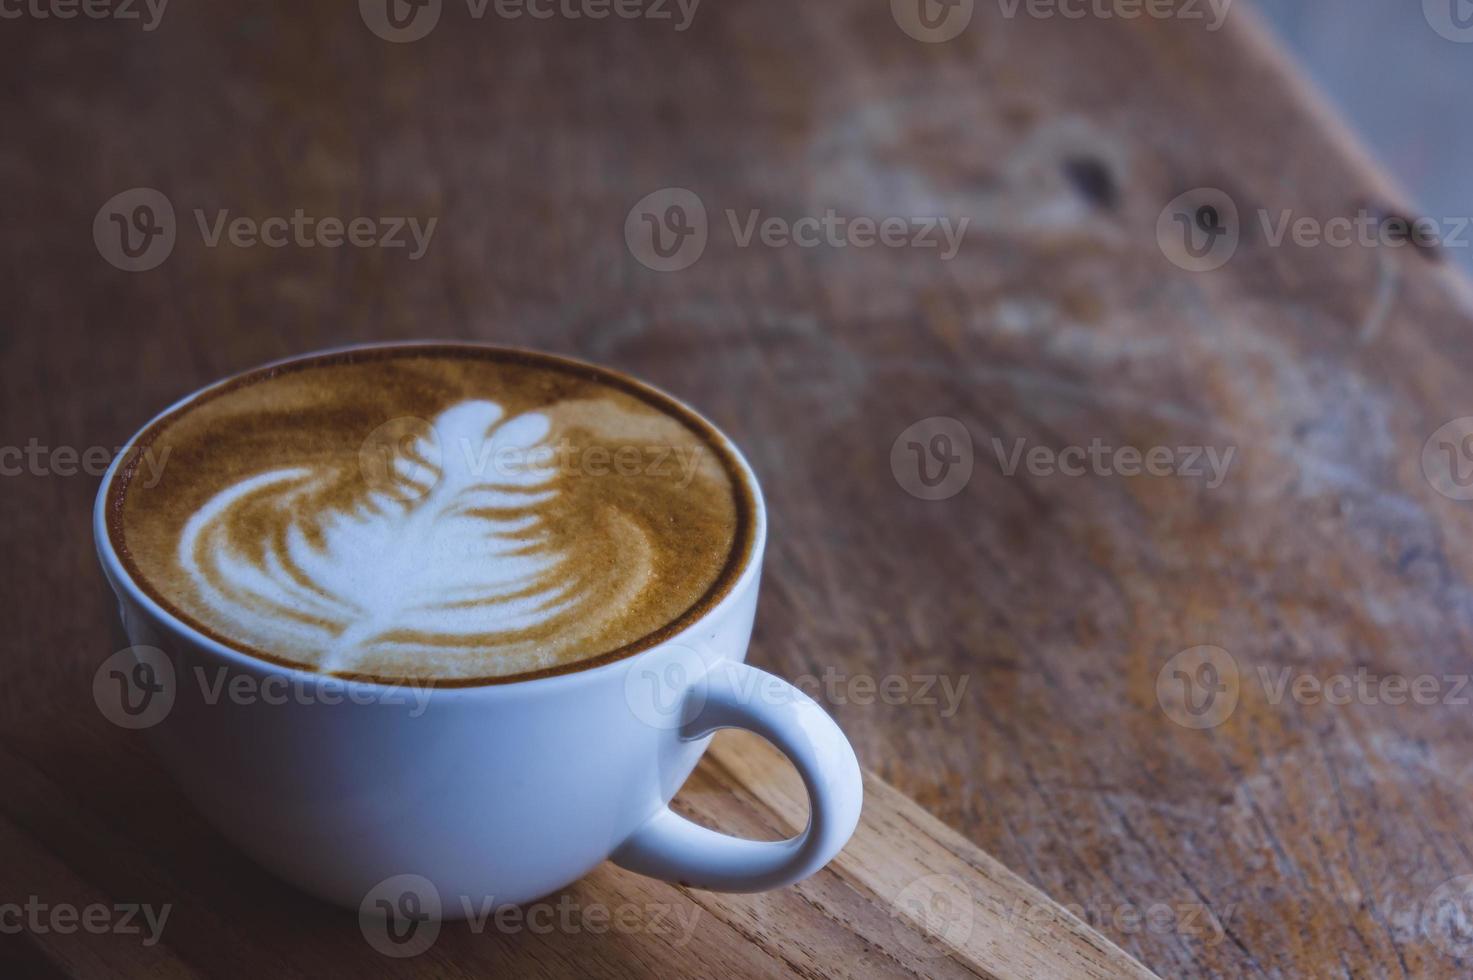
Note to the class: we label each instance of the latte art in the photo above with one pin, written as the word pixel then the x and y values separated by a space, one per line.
pixel 475 541
pixel 442 562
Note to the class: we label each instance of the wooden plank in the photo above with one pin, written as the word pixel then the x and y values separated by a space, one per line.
pixel 947 896
pixel 907 898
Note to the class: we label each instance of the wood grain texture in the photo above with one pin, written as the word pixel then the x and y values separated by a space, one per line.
pixel 909 897
pixel 1292 839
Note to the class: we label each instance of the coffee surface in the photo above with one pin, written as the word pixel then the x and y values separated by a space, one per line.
pixel 442 513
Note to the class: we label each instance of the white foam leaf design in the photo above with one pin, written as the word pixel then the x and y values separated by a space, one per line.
pixel 452 548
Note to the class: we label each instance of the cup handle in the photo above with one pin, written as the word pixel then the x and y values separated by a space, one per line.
pixel 672 848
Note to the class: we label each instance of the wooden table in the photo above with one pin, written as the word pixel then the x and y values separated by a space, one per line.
pixel 1282 838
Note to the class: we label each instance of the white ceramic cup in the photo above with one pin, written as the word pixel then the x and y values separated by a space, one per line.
pixel 497 794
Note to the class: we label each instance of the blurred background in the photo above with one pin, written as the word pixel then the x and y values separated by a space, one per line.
pixel 1401 85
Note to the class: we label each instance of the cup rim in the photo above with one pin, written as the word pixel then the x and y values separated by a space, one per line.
pixel 122 578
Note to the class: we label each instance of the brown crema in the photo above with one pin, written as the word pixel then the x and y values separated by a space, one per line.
pixel 445 513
